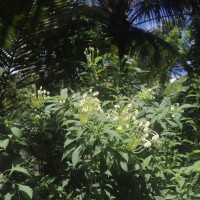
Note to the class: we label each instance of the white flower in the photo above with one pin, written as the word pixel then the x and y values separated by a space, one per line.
pixel 85 109
pixel 140 124
pixel 119 128
pixel 108 116
pixel 95 94
pixel 144 139
pixel 116 106
pixel 37 116
pixel 82 102
pixel 115 118
pixel 147 124
pixel 1 176
pixel 84 95
pixel 147 144
pixel 126 118
pixel 127 125
pixel 155 137
pixel 98 107
pixel 133 118
pixel 136 112
pixel 146 135
pixel 90 90
pixel 146 129
pixel 101 110
pixel 129 105
pixel 40 87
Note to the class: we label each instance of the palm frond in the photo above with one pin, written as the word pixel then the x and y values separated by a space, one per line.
pixel 147 40
pixel 37 39
pixel 164 9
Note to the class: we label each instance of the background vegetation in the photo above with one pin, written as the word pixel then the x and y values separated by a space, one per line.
pixel 99 100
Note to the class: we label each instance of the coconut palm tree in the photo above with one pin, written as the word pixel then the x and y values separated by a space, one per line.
pixel 126 21
pixel 39 40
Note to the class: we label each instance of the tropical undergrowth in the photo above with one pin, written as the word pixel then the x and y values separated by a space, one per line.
pixel 106 139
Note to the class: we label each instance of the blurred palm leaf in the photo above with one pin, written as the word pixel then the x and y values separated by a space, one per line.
pixel 127 21
pixel 38 38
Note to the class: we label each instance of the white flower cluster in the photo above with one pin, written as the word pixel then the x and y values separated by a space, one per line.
pixel 146 94
pixel 90 54
pixel 38 97
pixel 88 105
pixel 43 94
pixel 127 119
pixel 146 132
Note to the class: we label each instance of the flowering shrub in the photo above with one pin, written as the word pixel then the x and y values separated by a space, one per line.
pixel 73 146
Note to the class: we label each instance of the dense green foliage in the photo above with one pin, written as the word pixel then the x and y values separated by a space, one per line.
pixel 76 147
pixel 88 110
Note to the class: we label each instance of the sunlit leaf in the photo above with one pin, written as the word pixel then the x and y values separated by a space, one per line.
pixel 8 196
pixel 26 189
pixel 16 132
pixel 146 162
pixel 4 143
pixel 17 168
pixel 76 156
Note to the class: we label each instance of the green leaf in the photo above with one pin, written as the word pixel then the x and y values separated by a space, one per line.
pixel 65 183
pixel 146 162
pixel 181 182
pixel 186 106
pixel 113 133
pixel 197 166
pixel 124 166
pixel 97 59
pixel 161 115
pixel 8 196
pixel 66 153
pixel 195 155
pixel 178 123
pixel 26 189
pixel 4 143
pixel 68 141
pixel 163 125
pixel 169 196
pixel 172 123
pixel 17 168
pixel 147 177
pixel 97 151
pixel 125 156
pixel 2 70
pixel 108 173
pixel 76 156
pixel 23 153
pixel 16 132
pixel 189 169
pixel 64 92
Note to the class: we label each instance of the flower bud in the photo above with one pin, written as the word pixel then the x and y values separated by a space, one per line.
pixel 155 137
pixel 147 144
pixel 119 128
pixel 146 129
